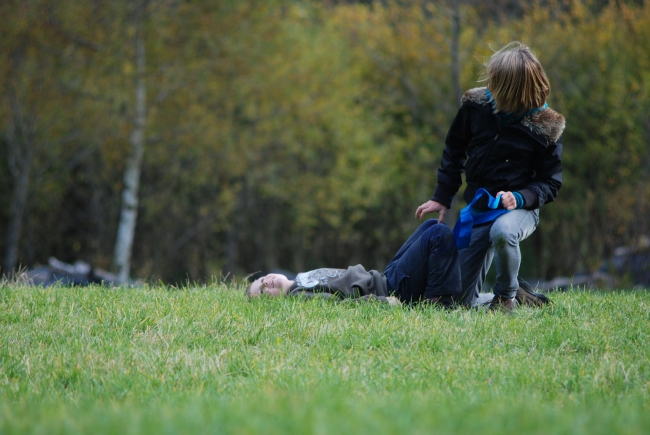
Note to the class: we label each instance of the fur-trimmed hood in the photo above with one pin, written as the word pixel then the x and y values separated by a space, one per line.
pixel 547 123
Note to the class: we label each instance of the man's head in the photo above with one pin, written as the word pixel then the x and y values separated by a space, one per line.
pixel 273 284
pixel 516 79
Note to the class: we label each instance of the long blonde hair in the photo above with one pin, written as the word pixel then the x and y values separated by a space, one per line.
pixel 516 79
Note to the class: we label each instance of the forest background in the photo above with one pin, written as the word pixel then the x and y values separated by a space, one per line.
pixel 263 134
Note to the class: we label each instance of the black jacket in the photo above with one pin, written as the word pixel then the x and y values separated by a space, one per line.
pixel 524 156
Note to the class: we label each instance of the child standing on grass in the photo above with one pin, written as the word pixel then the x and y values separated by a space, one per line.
pixel 507 141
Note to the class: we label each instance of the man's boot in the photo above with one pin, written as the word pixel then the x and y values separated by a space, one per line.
pixel 527 296
pixel 505 305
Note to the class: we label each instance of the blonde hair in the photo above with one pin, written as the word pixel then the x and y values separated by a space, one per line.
pixel 516 79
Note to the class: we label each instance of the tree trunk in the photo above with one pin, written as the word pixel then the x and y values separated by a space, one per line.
pixel 18 202
pixel 129 212
pixel 233 235
pixel 641 222
pixel 20 143
pixel 455 50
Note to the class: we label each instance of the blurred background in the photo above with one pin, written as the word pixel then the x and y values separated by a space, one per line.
pixel 180 140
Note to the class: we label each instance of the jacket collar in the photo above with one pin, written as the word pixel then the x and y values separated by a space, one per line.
pixel 546 123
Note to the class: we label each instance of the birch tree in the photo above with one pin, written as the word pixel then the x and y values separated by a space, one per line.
pixel 129 210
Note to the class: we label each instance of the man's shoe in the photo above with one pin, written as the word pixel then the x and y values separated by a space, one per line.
pixel 526 295
pixel 442 301
pixel 505 305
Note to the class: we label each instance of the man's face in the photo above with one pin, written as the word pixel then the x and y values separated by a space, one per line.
pixel 272 284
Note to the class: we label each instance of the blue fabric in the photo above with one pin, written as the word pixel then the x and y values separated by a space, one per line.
pixel 520 200
pixel 470 216
pixel 427 266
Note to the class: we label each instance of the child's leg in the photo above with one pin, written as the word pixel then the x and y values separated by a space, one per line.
pixel 475 262
pixel 443 266
pixel 415 236
pixel 428 268
pixel 506 233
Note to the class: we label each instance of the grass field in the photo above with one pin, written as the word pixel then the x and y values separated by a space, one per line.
pixel 160 360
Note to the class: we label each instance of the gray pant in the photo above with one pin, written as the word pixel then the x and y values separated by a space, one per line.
pixel 499 239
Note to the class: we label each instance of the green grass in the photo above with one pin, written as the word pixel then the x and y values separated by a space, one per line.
pixel 206 360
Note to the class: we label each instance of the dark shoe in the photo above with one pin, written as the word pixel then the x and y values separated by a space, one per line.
pixel 505 305
pixel 526 295
pixel 442 301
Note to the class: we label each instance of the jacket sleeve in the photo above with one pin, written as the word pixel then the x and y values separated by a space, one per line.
pixel 368 298
pixel 338 298
pixel 307 294
pixel 548 180
pixel 454 157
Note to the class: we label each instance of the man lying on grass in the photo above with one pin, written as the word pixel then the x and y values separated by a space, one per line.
pixel 426 269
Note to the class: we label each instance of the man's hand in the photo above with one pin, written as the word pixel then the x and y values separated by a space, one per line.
pixel 508 200
pixel 431 207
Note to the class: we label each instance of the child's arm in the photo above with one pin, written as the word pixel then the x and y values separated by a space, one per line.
pixel 454 157
pixel 390 300
pixel 315 295
pixel 337 298
pixel 548 178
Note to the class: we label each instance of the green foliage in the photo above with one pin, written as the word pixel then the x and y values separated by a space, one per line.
pixel 204 358
pixel 298 134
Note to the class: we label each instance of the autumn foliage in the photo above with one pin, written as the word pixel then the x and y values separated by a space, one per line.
pixel 297 134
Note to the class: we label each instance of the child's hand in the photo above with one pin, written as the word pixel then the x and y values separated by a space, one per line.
pixel 508 200
pixel 431 207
